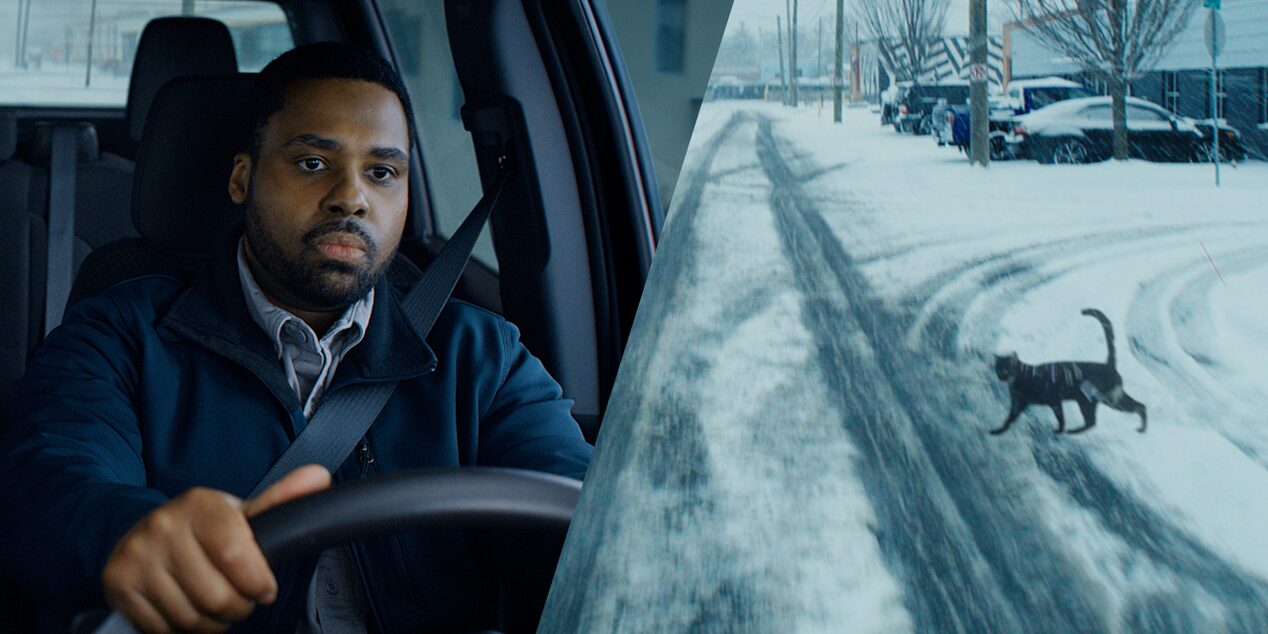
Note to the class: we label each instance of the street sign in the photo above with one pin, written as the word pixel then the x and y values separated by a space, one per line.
pixel 1214 32
pixel 1211 4
pixel 977 72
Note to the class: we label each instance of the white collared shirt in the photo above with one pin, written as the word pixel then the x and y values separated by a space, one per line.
pixel 308 361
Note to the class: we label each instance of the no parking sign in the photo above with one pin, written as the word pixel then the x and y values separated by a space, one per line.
pixel 977 72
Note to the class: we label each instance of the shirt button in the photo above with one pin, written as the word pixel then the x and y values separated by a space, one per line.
pixel 332 588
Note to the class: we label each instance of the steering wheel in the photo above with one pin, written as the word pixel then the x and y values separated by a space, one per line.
pixel 476 497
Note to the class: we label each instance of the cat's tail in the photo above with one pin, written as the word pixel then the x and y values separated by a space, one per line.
pixel 1109 331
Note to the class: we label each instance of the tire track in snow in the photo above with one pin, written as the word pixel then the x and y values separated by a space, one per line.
pixel 968 554
pixel 1201 576
pixel 1029 266
pixel 674 458
pixel 1183 318
pixel 1204 579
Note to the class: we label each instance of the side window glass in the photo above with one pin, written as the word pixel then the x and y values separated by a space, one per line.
pixel 80 53
pixel 448 158
pixel 1099 114
pixel 1142 114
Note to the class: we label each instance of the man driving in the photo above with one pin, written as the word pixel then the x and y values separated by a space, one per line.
pixel 154 409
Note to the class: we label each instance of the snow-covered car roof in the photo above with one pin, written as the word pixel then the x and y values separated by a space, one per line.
pixel 1063 113
pixel 1063 109
pixel 1044 82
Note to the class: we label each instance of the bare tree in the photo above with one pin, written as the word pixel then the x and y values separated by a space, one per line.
pixel 738 50
pixel 1113 40
pixel 905 31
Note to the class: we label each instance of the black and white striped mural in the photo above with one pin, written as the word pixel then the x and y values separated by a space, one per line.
pixel 948 59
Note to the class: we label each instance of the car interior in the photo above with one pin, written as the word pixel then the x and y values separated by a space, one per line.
pixel 97 196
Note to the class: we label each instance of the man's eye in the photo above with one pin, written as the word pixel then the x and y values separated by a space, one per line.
pixel 310 164
pixel 381 173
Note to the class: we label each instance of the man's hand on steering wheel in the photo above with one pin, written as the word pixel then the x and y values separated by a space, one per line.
pixel 193 564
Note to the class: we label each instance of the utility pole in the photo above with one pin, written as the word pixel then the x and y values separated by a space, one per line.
pixel 17 37
pixel 837 76
pixel 792 65
pixel 792 60
pixel 979 110
pixel 761 52
pixel 92 27
pixel 819 40
pixel 24 31
pixel 783 79
pixel 856 67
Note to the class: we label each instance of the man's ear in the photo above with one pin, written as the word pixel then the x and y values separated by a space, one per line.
pixel 240 178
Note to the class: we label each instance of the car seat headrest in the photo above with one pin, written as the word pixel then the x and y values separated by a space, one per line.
pixel 173 47
pixel 85 142
pixel 180 198
pixel 8 135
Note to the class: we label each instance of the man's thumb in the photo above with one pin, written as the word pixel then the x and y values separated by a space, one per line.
pixel 298 483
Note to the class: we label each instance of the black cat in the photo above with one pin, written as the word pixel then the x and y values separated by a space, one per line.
pixel 1049 384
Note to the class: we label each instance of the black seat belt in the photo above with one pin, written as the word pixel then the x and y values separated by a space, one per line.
pixel 343 418
pixel 60 251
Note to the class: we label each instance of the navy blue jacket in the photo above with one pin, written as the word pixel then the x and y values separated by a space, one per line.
pixel 157 386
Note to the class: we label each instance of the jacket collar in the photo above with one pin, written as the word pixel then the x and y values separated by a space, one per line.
pixel 213 313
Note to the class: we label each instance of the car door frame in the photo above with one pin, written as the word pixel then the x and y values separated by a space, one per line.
pixel 577 324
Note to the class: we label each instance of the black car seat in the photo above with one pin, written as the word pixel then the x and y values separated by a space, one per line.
pixel 100 211
pixel 180 203
pixel 21 213
pixel 169 48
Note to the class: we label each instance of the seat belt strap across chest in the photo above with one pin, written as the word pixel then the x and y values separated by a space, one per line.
pixel 61 224
pixel 343 417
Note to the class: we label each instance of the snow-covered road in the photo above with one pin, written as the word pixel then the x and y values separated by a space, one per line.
pixel 798 440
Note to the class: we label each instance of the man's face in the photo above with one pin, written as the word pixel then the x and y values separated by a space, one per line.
pixel 326 198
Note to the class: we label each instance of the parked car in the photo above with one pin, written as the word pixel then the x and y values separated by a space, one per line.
pixel 914 106
pixel 1022 97
pixel 1028 95
pixel 953 126
pixel 1082 131
pixel 889 99
pixel 1232 148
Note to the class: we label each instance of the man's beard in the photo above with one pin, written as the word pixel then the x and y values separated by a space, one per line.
pixel 313 284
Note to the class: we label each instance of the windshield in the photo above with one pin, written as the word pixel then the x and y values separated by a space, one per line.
pixel 877 387
pixel 930 94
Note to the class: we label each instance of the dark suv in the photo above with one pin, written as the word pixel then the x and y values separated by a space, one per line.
pixel 914 106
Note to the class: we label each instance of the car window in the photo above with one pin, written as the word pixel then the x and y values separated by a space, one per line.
pixel 1099 114
pixel 421 41
pixel 71 53
pixel 1140 114
pixel 1041 97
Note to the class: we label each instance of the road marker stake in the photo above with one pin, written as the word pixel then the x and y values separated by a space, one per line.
pixel 1212 260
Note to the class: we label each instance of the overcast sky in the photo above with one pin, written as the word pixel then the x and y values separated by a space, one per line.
pixel 763 12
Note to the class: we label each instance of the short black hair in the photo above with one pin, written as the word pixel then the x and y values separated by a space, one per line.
pixel 322 60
